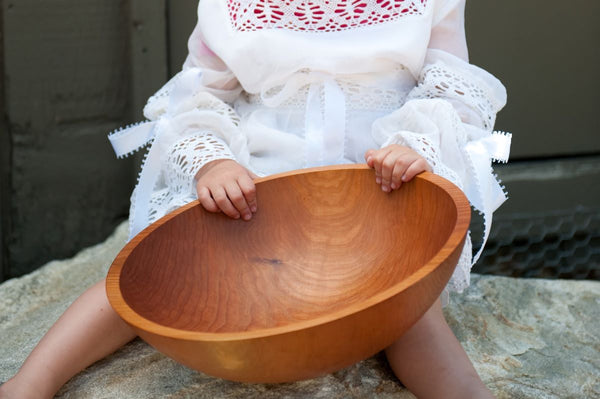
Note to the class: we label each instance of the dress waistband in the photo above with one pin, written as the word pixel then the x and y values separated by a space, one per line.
pixel 358 94
pixel 325 99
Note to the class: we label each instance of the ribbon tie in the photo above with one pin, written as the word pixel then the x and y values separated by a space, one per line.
pixel 486 194
pixel 127 141
pixel 325 114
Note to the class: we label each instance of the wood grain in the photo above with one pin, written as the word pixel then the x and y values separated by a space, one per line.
pixel 329 271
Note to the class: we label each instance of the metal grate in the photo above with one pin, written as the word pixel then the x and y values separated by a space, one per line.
pixel 558 245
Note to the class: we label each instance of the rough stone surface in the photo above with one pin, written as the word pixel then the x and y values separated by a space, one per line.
pixel 526 338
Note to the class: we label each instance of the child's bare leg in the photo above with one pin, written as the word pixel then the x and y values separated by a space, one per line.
pixel 88 331
pixel 431 363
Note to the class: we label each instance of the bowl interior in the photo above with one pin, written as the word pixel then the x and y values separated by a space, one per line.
pixel 321 241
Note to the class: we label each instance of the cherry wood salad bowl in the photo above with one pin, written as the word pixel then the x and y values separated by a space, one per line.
pixel 329 271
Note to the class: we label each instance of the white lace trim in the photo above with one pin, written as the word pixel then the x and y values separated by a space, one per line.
pixel 425 148
pixel 469 144
pixel 184 159
pixel 175 186
pixel 440 80
pixel 461 278
pixel 185 132
pixel 477 96
pixel 323 16
pixel 428 150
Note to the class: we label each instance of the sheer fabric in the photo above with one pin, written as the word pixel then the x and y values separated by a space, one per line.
pixel 288 84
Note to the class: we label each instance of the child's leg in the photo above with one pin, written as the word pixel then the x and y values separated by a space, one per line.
pixel 88 331
pixel 431 363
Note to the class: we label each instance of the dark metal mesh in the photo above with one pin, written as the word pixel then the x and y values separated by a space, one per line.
pixel 551 245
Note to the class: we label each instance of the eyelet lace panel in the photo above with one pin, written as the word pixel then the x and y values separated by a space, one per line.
pixel 183 160
pixel 461 278
pixel 186 156
pixel 318 16
pixel 428 150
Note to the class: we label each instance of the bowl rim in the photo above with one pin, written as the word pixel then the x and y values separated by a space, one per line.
pixel 136 320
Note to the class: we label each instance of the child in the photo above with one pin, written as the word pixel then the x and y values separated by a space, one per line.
pixel 276 85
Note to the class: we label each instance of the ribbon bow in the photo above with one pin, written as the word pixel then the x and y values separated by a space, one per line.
pixel 127 141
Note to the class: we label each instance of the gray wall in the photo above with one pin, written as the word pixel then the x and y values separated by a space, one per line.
pixel 74 70
pixel 547 54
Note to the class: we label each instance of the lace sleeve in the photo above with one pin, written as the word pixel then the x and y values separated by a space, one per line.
pixel 476 95
pixel 183 160
pixel 448 119
pixel 191 122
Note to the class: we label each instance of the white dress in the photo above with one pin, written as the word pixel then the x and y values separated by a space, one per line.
pixel 288 84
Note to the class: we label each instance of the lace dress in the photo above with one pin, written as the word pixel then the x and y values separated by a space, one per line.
pixel 288 84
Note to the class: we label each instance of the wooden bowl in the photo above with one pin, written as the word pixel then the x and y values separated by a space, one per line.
pixel 329 271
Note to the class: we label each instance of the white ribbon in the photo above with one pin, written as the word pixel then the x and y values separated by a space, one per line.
pixel 132 138
pixel 486 194
pixel 127 141
pixel 334 123
pixel 147 180
pixel 324 122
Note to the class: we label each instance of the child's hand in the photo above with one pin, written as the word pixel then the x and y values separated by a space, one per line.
pixel 394 165
pixel 225 185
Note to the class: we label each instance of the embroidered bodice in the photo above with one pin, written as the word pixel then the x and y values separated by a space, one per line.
pixel 313 16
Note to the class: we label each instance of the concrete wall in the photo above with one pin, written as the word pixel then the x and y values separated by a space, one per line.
pixel 4 163
pixel 73 71
pixel 548 56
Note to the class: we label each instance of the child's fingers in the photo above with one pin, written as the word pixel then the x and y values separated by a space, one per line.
pixel 236 197
pixel 393 164
pixel 249 190
pixel 418 166
pixel 222 199
pixel 369 157
pixel 400 168
pixel 387 166
pixel 206 200
pixel 377 159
